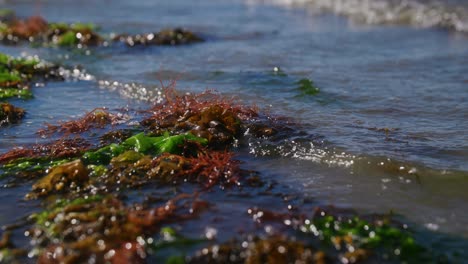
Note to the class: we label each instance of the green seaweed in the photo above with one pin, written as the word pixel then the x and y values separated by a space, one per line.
pixel 14 92
pixel 96 170
pixel 29 165
pixel 68 39
pixel 43 217
pixel 83 27
pixel 17 66
pixel 9 77
pixel 307 87
pixel 360 234
pixel 171 239
pixel 141 144
pixel 103 155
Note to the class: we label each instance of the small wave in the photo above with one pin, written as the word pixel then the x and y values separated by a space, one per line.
pixel 320 153
pixel 452 15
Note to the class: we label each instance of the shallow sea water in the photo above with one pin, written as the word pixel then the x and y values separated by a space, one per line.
pixel 391 96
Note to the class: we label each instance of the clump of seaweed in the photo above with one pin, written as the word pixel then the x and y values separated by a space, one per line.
pixel 307 87
pixel 97 118
pixel 351 238
pixel 26 29
pixel 205 115
pixel 62 148
pixel 37 29
pixel 61 178
pixel 100 228
pixel 77 34
pixel 16 73
pixel 10 114
pixel 170 159
pixel 274 249
pixel 208 168
pixel 167 37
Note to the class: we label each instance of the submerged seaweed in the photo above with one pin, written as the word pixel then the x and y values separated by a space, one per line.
pixel 98 228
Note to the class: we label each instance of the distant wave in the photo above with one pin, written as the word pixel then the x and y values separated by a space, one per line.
pixel 449 14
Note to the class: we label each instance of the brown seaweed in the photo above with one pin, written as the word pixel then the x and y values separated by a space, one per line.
pixel 10 114
pixel 61 178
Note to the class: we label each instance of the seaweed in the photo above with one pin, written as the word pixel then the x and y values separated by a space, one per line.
pixel 166 37
pixel 357 237
pixel 63 177
pixel 36 29
pixel 98 228
pixel 27 29
pixel 205 115
pixel 73 35
pixel 14 92
pixel 10 114
pixel 208 168
pixel 61 148
pixel 307 87
pixel 346 236
pixel 97 118
pixel 29 168
pixel 255 250
pixel 143 144
pixel 16 73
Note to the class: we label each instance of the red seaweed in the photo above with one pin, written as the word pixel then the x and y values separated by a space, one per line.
pixel 62 148
pixel 97 118
pixel 206 115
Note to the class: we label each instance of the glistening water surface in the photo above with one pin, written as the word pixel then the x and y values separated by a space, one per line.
pixel 386 132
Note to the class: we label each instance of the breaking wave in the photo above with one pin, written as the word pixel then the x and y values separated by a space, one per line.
pixel 449 14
